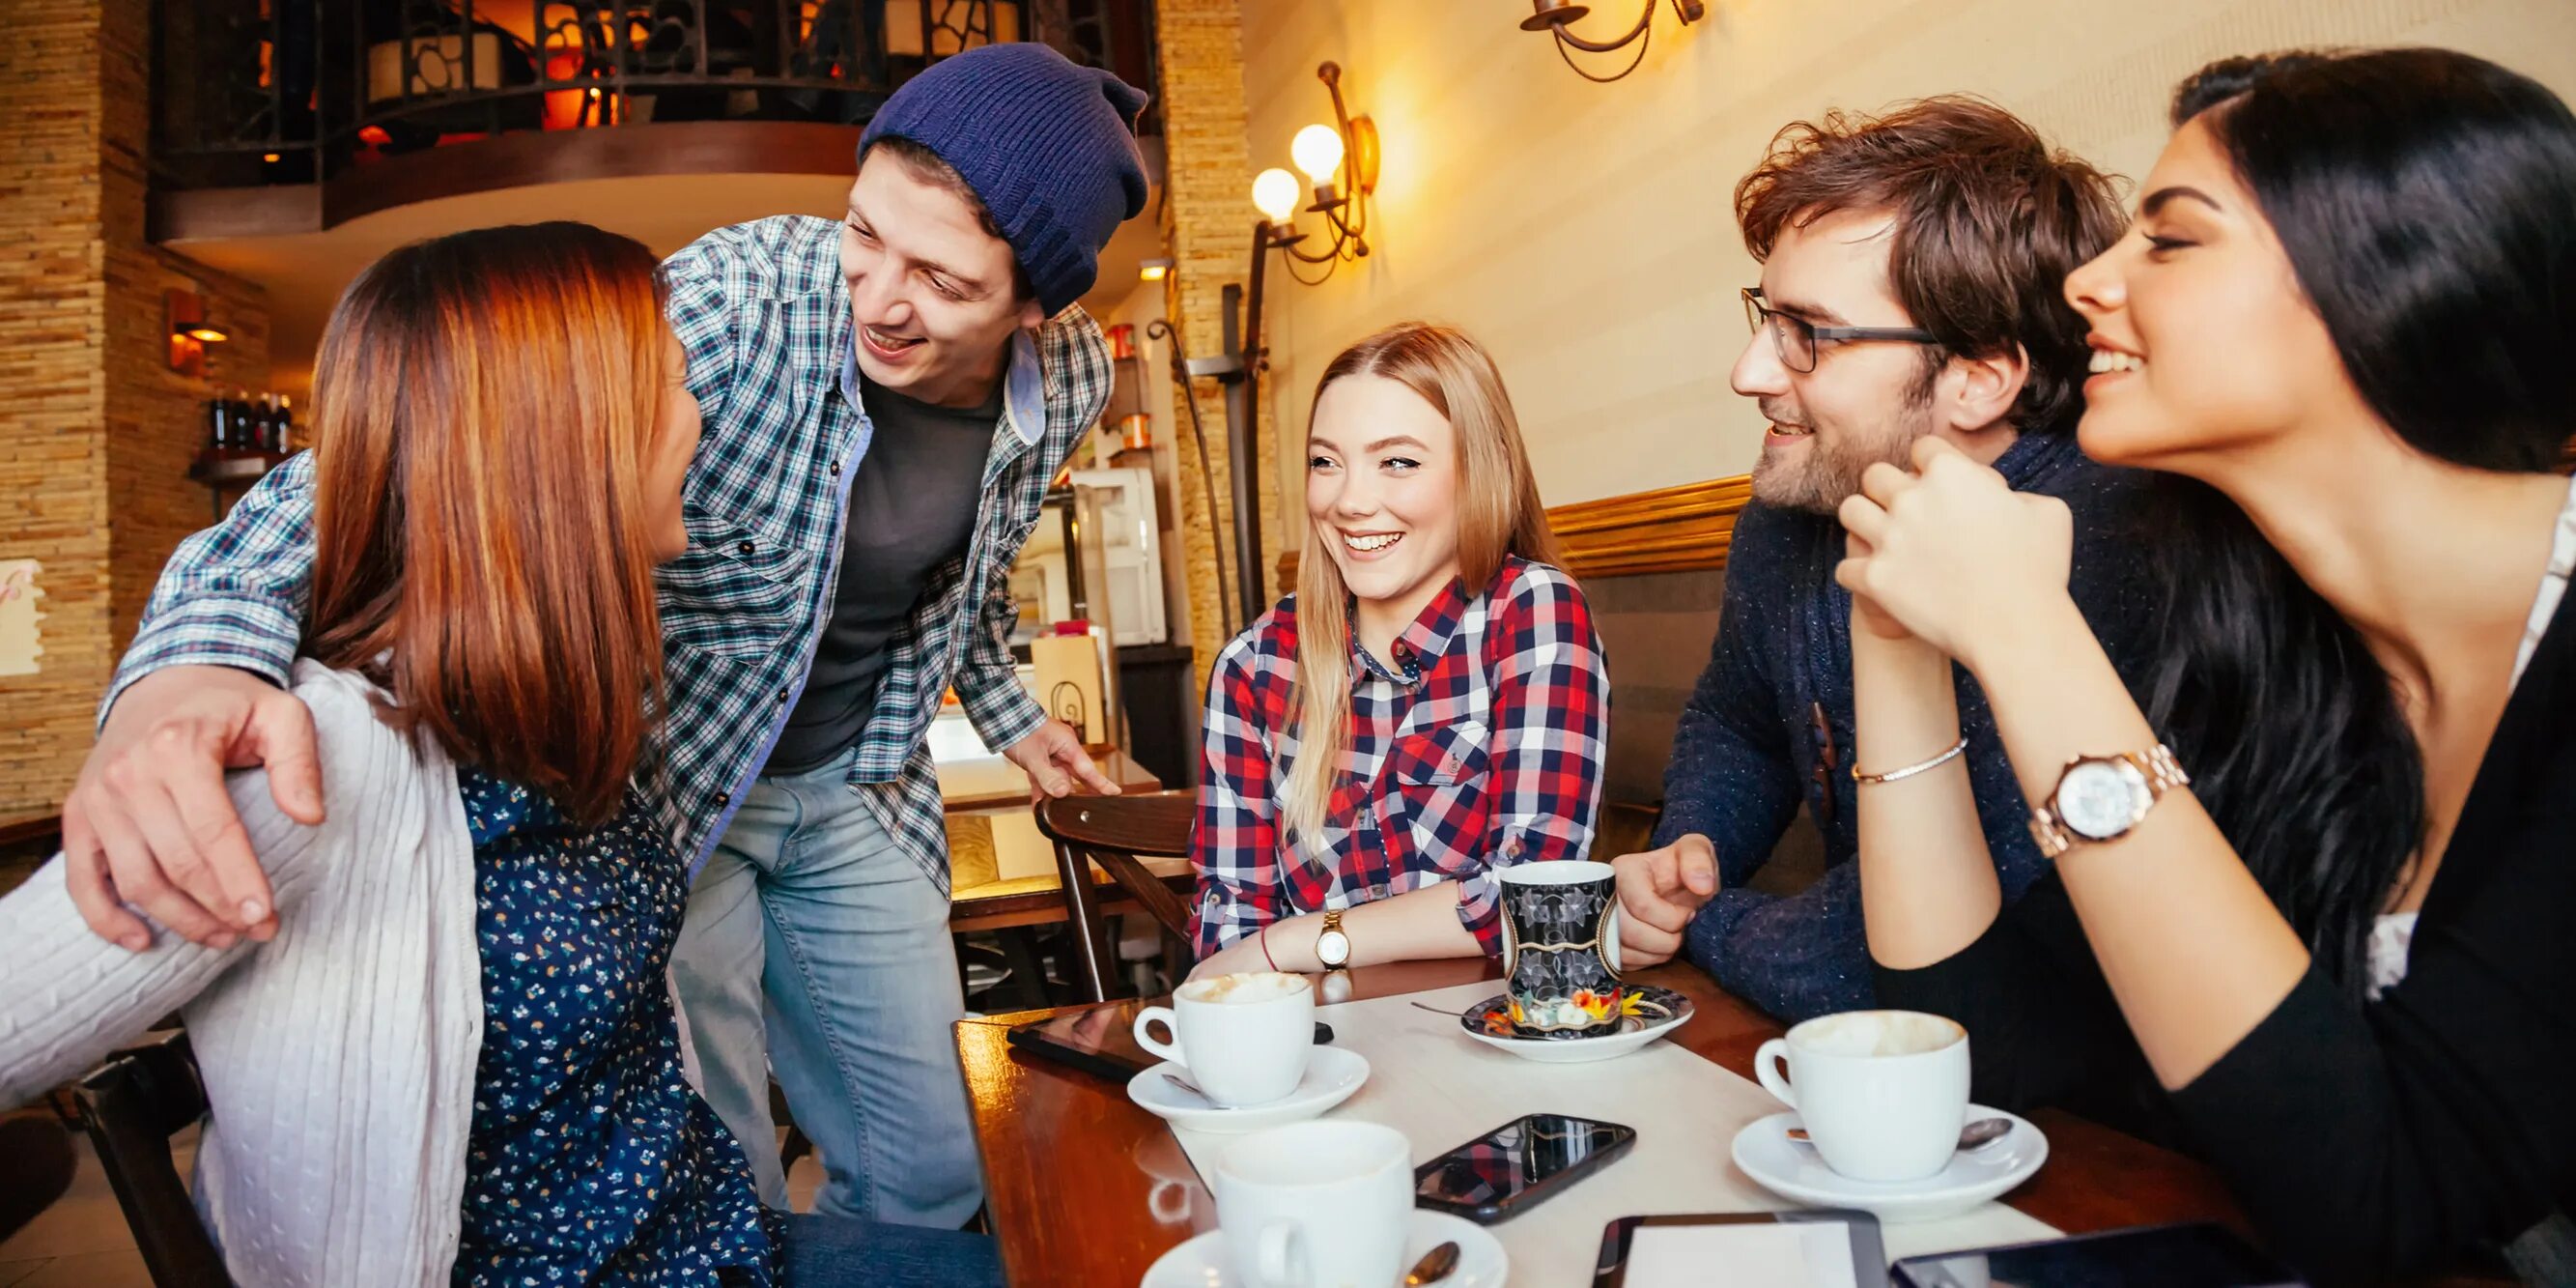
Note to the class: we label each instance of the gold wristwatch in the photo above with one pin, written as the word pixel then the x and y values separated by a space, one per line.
pixel 1333 947
pixel 2099 798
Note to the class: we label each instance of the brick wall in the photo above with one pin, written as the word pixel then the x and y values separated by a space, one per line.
pixel 53 459
pixel 1207 220
pixel 95 431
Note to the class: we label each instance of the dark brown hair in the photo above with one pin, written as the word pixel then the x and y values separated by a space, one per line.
pixel 483 405
pixel 1989 221
pixel 923 164
pixel 2421 197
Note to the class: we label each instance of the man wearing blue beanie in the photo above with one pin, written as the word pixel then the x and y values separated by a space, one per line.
pixel 886 399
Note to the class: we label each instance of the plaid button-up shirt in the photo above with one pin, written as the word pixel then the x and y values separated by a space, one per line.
pixel 1477 746
pixel 764 314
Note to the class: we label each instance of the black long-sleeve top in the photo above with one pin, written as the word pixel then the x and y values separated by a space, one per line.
pixel 2365 1140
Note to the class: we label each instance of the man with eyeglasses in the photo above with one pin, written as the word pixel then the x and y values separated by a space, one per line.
pixel 1911 274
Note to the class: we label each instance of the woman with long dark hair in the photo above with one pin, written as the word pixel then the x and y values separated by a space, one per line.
pixel 457 1061
pixel 2312 898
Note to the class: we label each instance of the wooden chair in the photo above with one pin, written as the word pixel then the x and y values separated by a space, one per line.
pixel 1625 828
pixel 131 1105
pixel 40 1168
pixel 1115 832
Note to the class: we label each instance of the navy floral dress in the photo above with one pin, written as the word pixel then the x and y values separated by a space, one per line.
pixel 590 1161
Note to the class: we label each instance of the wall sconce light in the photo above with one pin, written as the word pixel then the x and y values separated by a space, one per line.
pixel 1154 270
pixel 1553 16
pixel 1340 161
pixel 185 317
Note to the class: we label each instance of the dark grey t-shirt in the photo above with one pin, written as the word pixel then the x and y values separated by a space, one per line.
pixel 912 508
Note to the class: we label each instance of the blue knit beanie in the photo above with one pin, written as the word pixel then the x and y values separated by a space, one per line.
pixel 1049 145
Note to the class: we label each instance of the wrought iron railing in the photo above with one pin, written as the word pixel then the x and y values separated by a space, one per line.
pixel 292 91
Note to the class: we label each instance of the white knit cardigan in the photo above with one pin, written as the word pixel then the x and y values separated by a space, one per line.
pixel 338 1057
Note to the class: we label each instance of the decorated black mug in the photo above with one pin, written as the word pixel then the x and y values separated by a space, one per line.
pixel 1561 948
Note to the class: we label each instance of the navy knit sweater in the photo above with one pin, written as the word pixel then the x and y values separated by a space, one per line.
pixel 1747 751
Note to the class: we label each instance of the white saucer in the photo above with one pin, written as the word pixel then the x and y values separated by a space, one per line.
pixel 1659 1012
pixel 1794 1170
pixel 1331 1076
pixel 1202 1262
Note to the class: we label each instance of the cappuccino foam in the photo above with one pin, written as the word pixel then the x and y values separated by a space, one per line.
pixel 1869 1033
pixel 1243 987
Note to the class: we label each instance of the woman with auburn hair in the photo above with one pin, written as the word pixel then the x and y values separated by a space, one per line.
pixel 457 1060
pixel 1426 709
pixel 2312 887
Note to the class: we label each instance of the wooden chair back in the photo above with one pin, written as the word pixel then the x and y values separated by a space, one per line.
pixel 131 1105
pixel 1115 832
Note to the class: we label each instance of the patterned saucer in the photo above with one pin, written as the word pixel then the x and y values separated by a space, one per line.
pixel 1646 1014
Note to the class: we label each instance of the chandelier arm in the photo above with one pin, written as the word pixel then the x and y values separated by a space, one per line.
pixel 1327 256
pixel 1644 21
pixel 1562 40
pixel 1319 279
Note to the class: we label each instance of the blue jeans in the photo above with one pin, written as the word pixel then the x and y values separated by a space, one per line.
pixel 815 948
pixel 830 1252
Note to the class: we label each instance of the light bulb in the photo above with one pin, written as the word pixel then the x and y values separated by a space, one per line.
pixel 1318 151
pixel 1274 193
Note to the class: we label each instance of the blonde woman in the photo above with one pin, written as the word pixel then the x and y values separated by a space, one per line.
pixel 1428 707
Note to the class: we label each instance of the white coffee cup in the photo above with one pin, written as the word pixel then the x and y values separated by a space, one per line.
pixel 1882 1094
pixel 1243 1038
pixel 1320 1204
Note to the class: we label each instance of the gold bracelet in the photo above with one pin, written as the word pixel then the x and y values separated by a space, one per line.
pixel 1911 770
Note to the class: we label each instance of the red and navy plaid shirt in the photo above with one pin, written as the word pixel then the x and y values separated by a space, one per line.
pixel 1480 747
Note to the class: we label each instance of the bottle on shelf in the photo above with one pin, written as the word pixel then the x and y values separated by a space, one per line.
pixel 283 432
pixel 264 424
pixel 219 427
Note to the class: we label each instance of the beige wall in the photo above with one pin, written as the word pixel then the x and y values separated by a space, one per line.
pixel 1583 231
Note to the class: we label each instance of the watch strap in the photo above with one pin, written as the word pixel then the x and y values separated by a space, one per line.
pixel 2052 836
pixel 2156 765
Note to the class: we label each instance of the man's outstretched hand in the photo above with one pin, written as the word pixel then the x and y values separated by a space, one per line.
pixel 149 822
pixel 1659 892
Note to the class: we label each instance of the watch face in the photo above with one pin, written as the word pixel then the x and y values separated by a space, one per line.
pixel 2100 799
pixel 1333 948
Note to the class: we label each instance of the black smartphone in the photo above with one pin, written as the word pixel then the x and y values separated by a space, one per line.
pixel 2203 1255
pixel 1518 1165
pixel 1101 1039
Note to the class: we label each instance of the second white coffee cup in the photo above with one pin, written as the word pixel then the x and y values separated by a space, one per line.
pixel 1244 1039
pixel 1881 1093
pixel 1317 1205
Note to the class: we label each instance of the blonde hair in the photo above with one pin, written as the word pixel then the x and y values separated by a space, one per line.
pixel 1498 514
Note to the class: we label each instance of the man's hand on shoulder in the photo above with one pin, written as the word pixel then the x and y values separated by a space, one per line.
pixel 1659 892
pixel 150 823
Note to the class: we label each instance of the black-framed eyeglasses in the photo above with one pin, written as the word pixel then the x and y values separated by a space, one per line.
pixel 1795 338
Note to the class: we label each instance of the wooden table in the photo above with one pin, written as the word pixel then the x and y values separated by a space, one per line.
pixel 41 831
pixel 1073 1171
pixel 991 782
